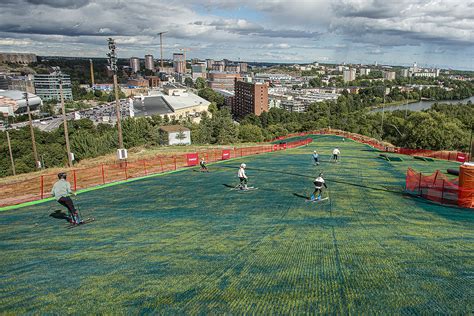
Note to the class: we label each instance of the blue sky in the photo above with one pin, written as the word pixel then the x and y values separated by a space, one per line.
pixel 430 32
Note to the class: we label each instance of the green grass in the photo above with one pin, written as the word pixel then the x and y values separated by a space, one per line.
pixel 185 243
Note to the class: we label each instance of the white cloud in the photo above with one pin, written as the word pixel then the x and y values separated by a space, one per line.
pixel 298 29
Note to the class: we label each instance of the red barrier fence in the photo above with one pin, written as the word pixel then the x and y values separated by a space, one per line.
pixel 356 137
pixel 39 187
pixel 443 154
pixel 437 187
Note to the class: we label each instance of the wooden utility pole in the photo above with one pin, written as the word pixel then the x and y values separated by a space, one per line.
pixel 66 133
pixel 32 132
pixel 92 73
pixel 161 48
pixel 11 154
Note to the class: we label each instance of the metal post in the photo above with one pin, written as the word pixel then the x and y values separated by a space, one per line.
pixel 471 147
pixel 11 154
pixel 113 66
pixel 32 132
pixel 119 114
pixel 66 133
pixel 161 50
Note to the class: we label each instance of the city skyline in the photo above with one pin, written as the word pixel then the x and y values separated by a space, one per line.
pixel 432 33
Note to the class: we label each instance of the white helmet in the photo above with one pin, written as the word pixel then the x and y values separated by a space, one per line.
pixel 315 151
pixel 243 165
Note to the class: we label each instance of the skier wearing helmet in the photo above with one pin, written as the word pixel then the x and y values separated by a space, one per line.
pixel 243 177
pixel 62 192
pixel 318 187
pixel 316 158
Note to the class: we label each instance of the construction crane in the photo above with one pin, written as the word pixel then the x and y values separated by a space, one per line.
pixel 161 47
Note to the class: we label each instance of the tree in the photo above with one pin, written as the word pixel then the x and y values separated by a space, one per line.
pixel 250 133
pixel 188 82
pixel 180 136
pixel 200 83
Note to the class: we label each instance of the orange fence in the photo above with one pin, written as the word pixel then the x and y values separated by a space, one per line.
pixel 39 187
pixel 356 137
pixel 443 154
pixel 437 187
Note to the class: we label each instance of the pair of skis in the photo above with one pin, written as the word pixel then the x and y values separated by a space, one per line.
pixel 238 188
pixel 317 200
pixel 85 221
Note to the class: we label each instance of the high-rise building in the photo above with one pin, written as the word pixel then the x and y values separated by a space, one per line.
pixel 199 70
pixel 135 64
pixel 47 86
pixel 249 98
pixel 209 63
pixel 349 75
pixel 179 63
pixel 149 62
pixel 218 66
pixel 222 80
pixel 243 67
pixel 405 73
pixel 389 75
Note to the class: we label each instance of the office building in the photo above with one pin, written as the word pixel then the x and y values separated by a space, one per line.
pixel 209 63
pixel 249 98
pixel 149 62
pixel 243 67
pixel 389 75
pixel 218 66
pixel 21 83
pixel 17 58
pixel 199 70
pixel 47 86
pixel 232 68
pixel 222 80
pixel 135 64
pixel 179 63
pixel 349 75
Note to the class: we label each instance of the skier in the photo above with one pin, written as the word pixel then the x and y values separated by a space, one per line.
pixel 318 187
pixel 202 163
pixel 62 191
pixel 243 177
pixel 335 154
pixel 316 158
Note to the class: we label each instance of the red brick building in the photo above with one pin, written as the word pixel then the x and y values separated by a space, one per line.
pixel 249 98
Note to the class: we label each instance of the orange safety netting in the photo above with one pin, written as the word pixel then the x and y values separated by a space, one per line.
pixel 39 187
pixel 437 187
pixel 440 154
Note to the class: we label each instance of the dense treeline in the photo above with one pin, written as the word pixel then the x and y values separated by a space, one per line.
pixel 441 127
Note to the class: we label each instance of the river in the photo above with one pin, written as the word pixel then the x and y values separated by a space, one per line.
pixel 422 105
